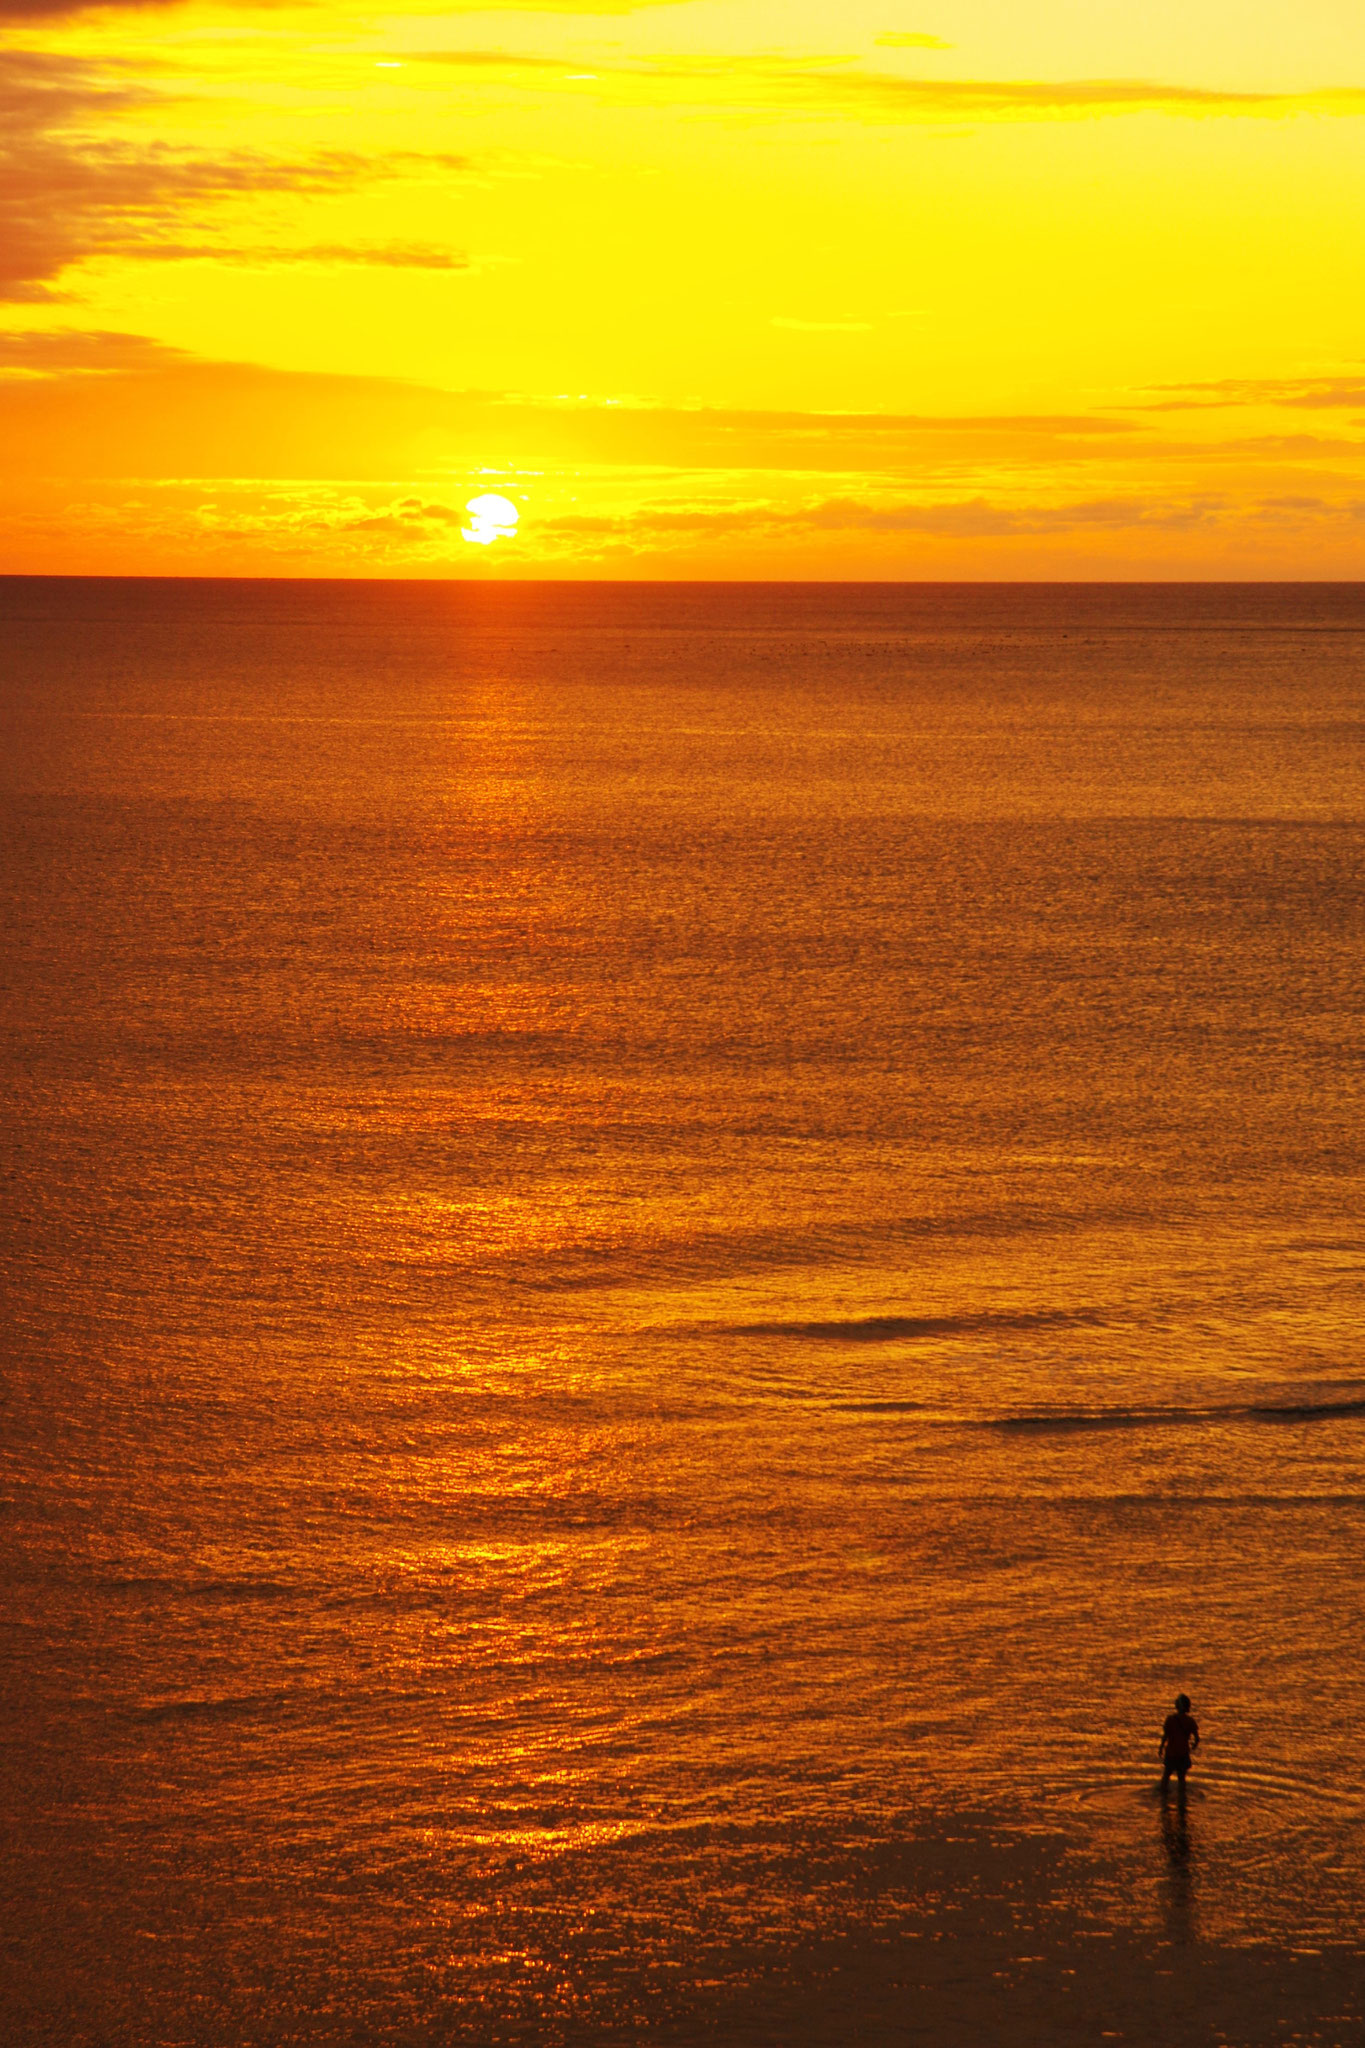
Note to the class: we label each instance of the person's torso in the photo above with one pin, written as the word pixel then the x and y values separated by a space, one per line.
pixel 1180 1730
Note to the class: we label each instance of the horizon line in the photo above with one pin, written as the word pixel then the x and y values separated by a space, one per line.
pixel 720 582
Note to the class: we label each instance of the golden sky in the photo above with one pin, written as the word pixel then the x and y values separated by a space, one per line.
pixel 703 288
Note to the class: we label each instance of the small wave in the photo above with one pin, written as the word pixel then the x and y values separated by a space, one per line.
pixel 880 1407
pixel 1061 1420
pixel 1064 1421
pixel 200 1589
pixel 1301 1785
pixel 891 1329
pixel 212 1709
pixel 1297 1795
pixel 1304 1411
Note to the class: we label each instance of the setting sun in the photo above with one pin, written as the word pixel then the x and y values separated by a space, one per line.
pixel 490 518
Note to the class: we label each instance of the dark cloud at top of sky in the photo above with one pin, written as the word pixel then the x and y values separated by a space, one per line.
pixel 65 196
pixel 56 10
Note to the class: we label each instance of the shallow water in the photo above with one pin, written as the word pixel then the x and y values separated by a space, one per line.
pixel 665 1247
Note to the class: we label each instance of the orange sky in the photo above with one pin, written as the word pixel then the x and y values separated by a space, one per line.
pixel 709 288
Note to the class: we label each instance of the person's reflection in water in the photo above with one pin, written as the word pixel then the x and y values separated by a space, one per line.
pixel 1180 1870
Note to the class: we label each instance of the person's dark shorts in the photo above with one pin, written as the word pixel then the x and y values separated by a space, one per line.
pixel 1178 1764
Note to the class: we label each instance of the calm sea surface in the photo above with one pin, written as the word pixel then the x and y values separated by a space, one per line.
pixel 671 1254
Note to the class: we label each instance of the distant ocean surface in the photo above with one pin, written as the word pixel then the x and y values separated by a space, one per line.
pixel 671 1254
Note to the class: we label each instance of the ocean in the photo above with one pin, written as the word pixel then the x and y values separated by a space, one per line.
pixel 671 1255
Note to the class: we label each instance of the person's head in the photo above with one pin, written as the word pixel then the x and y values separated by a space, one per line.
pixel 1182 1703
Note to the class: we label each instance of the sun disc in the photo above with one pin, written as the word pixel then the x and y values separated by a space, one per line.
pixel 490 518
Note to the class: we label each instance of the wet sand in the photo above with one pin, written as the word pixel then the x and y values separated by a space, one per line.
pixel 995 1951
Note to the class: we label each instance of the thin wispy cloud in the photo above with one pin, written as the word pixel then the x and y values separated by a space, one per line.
pixel 979 516
pixel 307 418
pixel 822 326
pixel 318 513
pixel 1310 393
pixel 951 519
pixel 838 85
pixel 91 351
pixel 383 256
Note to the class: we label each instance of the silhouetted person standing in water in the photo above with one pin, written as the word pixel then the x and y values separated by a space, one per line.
pixel 1179 1740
